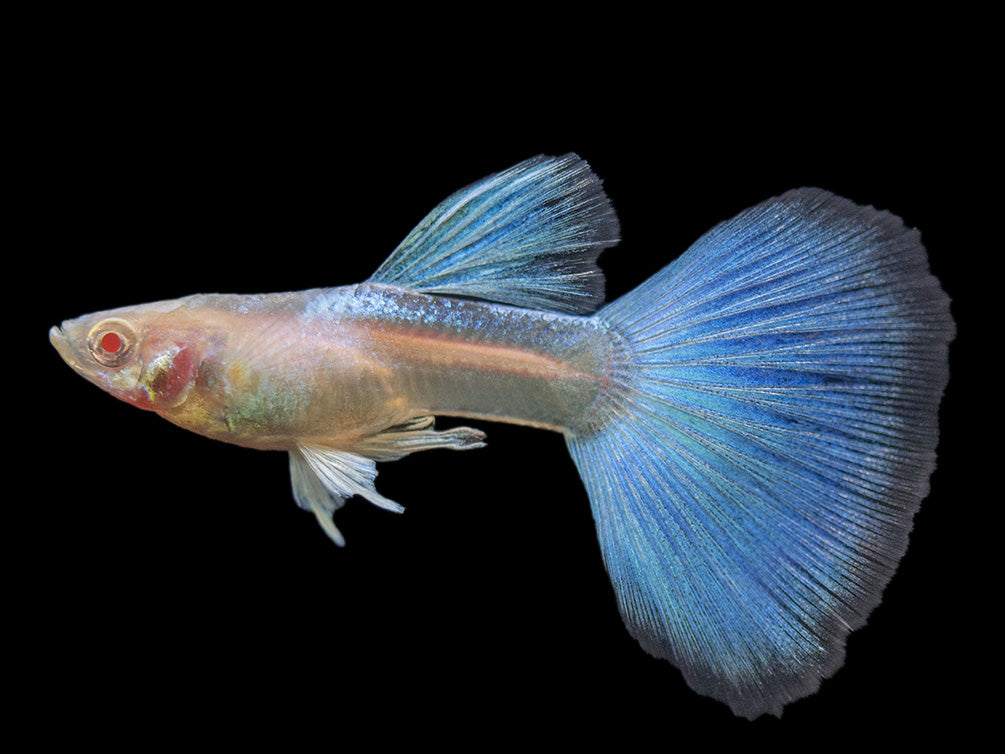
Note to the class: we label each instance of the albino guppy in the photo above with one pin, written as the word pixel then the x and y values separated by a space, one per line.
pixel 755 425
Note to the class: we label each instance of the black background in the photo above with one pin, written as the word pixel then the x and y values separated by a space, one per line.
pixel 168 585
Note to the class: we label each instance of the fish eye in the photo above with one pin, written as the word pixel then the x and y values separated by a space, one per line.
pixel 111 342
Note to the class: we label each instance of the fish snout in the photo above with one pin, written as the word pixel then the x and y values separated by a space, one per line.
pixel 60 342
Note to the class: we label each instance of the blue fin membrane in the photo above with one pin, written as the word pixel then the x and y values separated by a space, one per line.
pixel 528 236
pixel 756 471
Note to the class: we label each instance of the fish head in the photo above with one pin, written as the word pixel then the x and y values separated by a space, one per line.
pixel 144 355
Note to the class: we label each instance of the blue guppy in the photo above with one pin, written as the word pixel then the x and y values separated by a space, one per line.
pixel 755 425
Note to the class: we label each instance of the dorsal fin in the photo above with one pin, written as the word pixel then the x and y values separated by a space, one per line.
pixel 528 236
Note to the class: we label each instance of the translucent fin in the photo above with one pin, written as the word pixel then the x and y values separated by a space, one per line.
pixel 312 495
pixel 324 478
pixel 416 435
pixel 346 474
pixel 768 443
pixel 528 236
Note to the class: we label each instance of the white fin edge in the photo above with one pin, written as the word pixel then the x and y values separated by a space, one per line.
pixel 346 474
pixel 312 495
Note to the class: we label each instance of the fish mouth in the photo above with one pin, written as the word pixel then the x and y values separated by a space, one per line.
pixel 61 343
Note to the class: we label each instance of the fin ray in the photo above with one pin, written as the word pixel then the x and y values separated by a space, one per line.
pixel 528 236
pixel 771 438
pixel 415 435
pixel 323 479
pixel 346 474
pixel 310 494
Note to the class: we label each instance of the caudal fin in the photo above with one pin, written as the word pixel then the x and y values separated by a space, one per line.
pixel 770 439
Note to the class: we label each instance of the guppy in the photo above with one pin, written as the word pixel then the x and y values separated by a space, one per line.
pixel 755 425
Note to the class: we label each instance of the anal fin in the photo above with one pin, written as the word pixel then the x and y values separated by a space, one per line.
pixel 415 435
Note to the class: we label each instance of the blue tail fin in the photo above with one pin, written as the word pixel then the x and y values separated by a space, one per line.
pixel 770 438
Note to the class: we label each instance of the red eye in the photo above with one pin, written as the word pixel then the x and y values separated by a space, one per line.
pixel 111 342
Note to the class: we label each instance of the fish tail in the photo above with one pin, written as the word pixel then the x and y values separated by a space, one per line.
pixel 767 441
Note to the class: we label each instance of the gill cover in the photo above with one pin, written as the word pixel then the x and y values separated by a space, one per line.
pixel 167 370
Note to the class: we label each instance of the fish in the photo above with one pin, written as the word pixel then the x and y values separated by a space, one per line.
pixel 755 425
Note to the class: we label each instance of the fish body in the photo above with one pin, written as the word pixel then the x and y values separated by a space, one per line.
pixel 324 374
pixel 755 425
pixel 336 366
